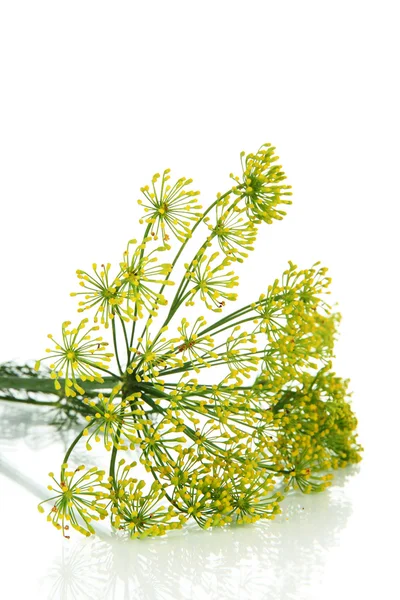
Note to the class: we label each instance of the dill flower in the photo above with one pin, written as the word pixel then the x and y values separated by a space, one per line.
pixel 77 500
pixel 170 208
pixel 195 348
pixel 224 417
pixel 113 423
pixel 153 355
pixel 211 283
pixel 141 514
pixel 264 190
pixel 235 233
pixel 140 275
pixel 252 498
pixel 102 293
pixel 77 357
pixel 240 357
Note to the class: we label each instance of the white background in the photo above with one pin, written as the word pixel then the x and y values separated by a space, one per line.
pixel 96 97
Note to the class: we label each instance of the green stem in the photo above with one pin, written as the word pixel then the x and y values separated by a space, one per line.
pixel 114 334
pixel 145 235
pixel 72 446
pixel 231 325
pixel 236 314
pixel 112 460
pixel 128 352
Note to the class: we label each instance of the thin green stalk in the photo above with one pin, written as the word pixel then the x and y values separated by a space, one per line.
pixel 231 325
pixel 72 446
pixel 115 345
pixel 114 452
pixel 126 340
pixel 145 235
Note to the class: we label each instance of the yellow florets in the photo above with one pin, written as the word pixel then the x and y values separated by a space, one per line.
pixel 77 358
pixel 80 498
pixel 262 187
pixel 170 208
pixel 224 417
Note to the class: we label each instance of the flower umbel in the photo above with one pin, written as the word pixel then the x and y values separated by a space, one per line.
pixel 223 417
pixel 77 500
pixel 264 190
pixel 77 357
pixel 140 275
pixel 170 208
pixel 141 513
pixel 211 283
pixel 102 293
pixel 235 233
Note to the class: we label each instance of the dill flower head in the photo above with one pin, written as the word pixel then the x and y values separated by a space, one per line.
pixel 195 348
pixel 77 500
pixel 170 208
pixel 263 190
pixel 139 511
pixel 211 282
pixel 101 292
pixel 140 274
pixel 113 423
pixel 225 415
pixel 77 357
pixel 235 233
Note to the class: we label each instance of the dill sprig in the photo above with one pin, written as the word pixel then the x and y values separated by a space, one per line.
pixel 225 417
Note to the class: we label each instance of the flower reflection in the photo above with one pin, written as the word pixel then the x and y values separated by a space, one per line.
pixel 73 575
pixel 258 562
pixel 34 426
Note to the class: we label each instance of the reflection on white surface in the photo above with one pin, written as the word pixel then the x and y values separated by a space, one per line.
pixel 270 560
pixel 275 559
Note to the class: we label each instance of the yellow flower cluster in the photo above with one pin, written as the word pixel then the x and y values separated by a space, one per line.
pixel 77 358
pixel 170 208
pixel 262 188
pixel 225 417
pixel 78 499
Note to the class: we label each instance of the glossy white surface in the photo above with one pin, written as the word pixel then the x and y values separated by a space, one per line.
pixel 338 544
